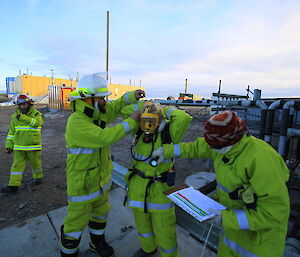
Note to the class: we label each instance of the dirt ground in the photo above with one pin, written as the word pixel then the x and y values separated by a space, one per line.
pixel 33 200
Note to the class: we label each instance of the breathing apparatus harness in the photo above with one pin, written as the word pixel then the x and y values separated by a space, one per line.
pixel 167 176
pixel 134 142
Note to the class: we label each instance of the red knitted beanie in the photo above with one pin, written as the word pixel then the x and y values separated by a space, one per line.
pixel 224 129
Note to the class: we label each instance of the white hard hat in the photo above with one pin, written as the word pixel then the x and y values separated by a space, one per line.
pixel 93 85
pixel 22 98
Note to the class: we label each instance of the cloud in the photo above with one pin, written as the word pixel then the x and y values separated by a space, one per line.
pixel 164 42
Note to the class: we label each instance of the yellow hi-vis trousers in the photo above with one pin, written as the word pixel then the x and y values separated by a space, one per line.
pixel 157 229
pixel 83 213
pixel 19 165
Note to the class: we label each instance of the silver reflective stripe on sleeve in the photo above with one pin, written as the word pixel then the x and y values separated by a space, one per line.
pixel 135 107
pixel 168 250
pixel 169 113
pixel 223 188
pixel 176 150
pixel 97 231
pixel 126 126
pixel 126 97
pixel 83 198
pixel 237 248
pixel 152 206
pixel 242 219
pixel 145 235
pixel 81 150
pixel 16 173
pixel 76 235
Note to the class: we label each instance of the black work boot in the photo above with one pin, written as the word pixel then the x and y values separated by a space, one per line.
pixel 69 247
pixel 100 246
pixel 10 189
pixel 142 253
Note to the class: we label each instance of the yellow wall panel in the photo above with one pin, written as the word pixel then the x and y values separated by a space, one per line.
pixel 38 86
pixel 119 90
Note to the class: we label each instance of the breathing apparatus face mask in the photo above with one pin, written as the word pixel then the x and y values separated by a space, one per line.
pixel 149 125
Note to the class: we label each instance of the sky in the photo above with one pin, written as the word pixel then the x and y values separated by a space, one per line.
pixel 158 43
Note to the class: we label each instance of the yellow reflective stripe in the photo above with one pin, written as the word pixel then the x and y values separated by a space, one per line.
pixel 26 128
pixel 10 136
pixel 27 147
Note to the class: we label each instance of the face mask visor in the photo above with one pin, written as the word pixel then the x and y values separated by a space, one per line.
pixel 149 122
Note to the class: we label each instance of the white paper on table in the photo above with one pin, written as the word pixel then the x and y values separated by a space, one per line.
pixel 195 203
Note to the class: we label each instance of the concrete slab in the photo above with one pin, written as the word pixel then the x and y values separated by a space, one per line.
pixel 120 219
pixel 190 247
pixel 34 237
pixel 38 236
pixel 126 245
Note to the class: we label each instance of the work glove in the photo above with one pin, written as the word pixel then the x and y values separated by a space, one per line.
pixel 217 217
pixel 135 116
pixel 139 94
pixel 8 150
pixel 158 155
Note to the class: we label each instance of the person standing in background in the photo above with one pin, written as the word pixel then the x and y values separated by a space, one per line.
pixel 24 140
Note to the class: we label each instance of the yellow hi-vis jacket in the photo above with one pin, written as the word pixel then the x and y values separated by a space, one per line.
pixel 88 140
pixel 25 131
pixel 260 231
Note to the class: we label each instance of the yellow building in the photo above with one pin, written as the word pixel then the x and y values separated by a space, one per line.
pixel 38 86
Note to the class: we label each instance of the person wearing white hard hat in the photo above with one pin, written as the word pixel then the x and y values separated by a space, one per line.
pixel 25 141
pixel 89 164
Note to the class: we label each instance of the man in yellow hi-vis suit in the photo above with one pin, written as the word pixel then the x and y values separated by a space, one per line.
pixel 251 183
pixel 154 213
pixel 89 164
pixel 25 141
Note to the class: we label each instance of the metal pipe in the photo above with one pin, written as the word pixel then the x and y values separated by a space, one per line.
pixel 283 132
pixel 263 109
pixel 270 120
pixel 287 121
pixel 262 128
pixel 293 132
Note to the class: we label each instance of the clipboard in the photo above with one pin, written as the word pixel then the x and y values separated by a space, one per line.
pixel 194 202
